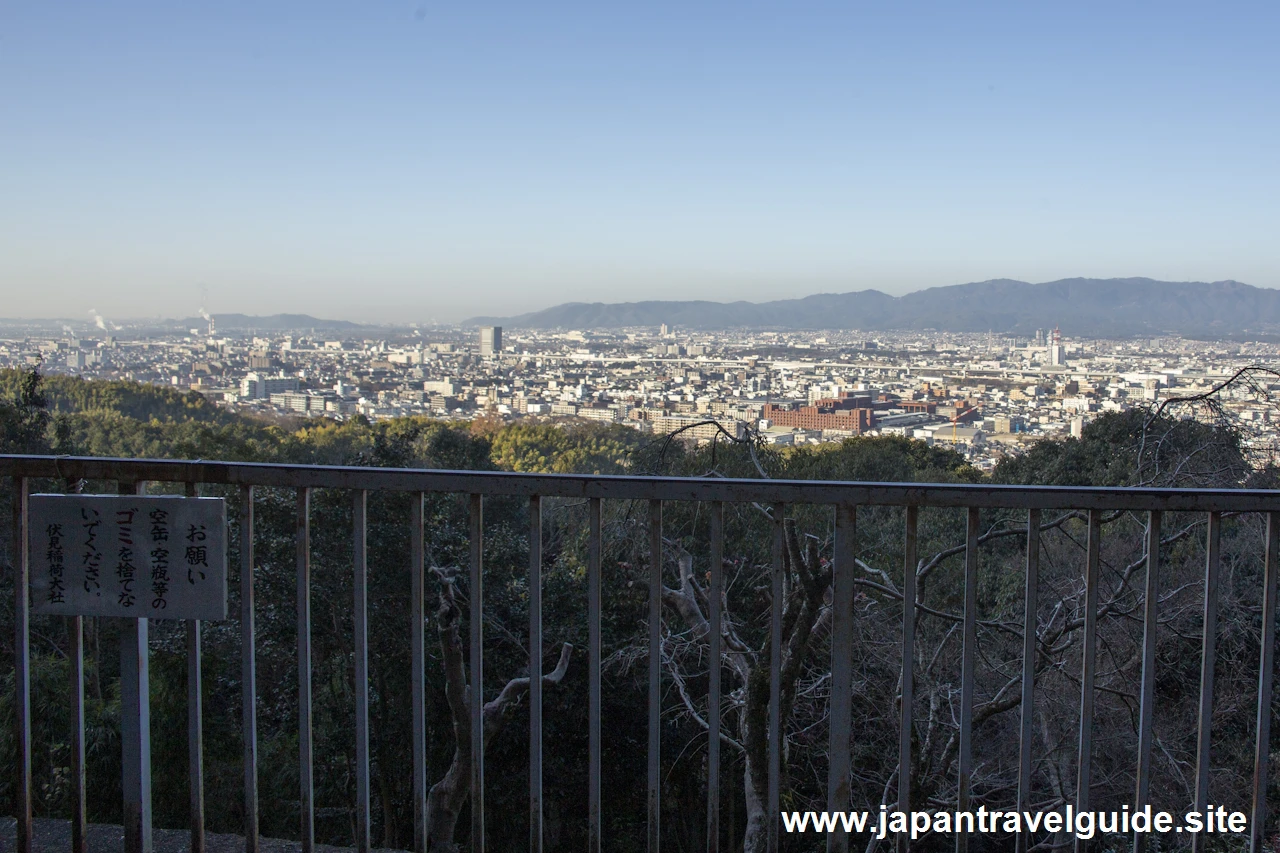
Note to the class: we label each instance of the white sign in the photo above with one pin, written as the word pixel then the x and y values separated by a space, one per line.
pixel 142 557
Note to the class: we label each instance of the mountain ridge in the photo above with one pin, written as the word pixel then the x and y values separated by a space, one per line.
pixel 1088 306
pixel 271 322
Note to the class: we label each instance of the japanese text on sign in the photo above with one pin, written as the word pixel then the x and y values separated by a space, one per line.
pixel 148 557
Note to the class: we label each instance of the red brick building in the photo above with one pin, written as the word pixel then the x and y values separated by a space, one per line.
pixel 842 414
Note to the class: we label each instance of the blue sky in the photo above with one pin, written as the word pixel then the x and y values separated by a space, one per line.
pixel 385 160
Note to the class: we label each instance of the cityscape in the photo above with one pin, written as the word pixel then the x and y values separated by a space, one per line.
pixel 639 427
pixel 985 395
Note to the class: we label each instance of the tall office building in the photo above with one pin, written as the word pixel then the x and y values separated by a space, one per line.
pixel 490 340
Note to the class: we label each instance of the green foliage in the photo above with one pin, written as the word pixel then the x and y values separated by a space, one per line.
pixel 867 458
pixel 24 412
pixel 884 459
pixel 1129 449
pixel 126 419
pixel 131 399
pixel 563 448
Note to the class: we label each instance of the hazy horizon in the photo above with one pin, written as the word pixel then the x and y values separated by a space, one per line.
pixel 408 161
pixel 96 319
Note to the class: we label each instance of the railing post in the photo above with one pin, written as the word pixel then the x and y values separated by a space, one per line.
pixel 968 675
pixel 1146 709
pixel 360 525
pixel 776 605
pixel 306 763
pixel 1030 627
pixel 906 710
pixel 1208 652
pixel 135 725
pixel 248 672
pixel 195 723
pixel 593 689
pixel 75 657
pixel 841 715
pixel 79 806
pixel 418 660
pixel 1084 753
pixel 535 674
pixel 22 660
pixel 655 676
pixel 1266 681
pixel 135 740
pixel 477 673
pixel 715 602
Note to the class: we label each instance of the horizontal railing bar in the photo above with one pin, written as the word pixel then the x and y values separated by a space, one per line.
pixel 956 495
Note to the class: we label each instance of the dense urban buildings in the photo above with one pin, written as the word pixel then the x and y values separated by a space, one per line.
pixel 986 395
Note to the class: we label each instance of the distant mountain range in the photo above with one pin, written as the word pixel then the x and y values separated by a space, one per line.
pixel 1081 306
pixel 270 323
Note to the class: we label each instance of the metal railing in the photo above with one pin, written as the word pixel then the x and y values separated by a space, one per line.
pixel 845 497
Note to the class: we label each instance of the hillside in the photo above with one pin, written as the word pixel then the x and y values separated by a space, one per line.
pixel 135 400
pixel 270 322
pixel 1119 307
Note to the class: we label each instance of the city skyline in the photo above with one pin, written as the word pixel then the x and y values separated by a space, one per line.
pixel 413 160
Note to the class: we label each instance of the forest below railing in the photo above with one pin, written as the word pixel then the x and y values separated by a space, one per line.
pixel 77 417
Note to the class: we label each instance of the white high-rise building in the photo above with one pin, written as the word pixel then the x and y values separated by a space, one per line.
pixel 490 340
pixel 257 387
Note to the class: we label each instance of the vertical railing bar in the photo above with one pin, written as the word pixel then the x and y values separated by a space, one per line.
pixel 195 723
pixel 1146 707
pixel 306 763
pixel 841 713
pixel 906 716
pixel 360 512
pixel 476 628
pixel 418 660
pixel 655 676
pixel 775 676
pixel 1266 681
pixel 79 788
pixel 79 806
pixel 1030 627
pixel 1084 753
pixel 135 717
pixel 535 674
pixel 248 672
pixel 135 735
pixel 968 674
pixel 1208 651
pixel 715 598
pixel 593 641
pixel 22 660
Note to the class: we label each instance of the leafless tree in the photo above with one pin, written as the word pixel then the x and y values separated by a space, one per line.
pixel 805 673
pixel 447 796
